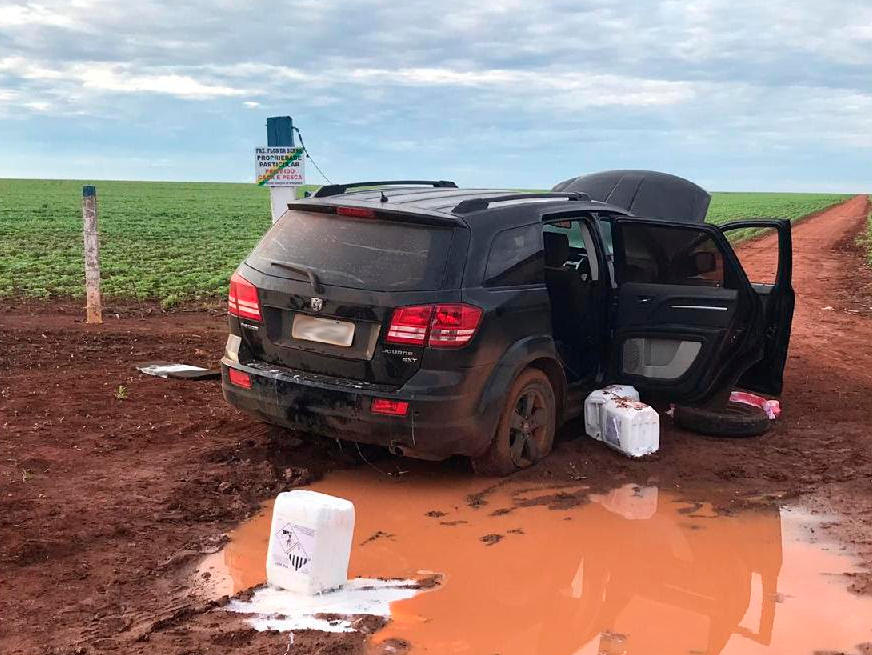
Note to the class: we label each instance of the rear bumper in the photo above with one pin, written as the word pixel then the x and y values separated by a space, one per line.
pixel 443 417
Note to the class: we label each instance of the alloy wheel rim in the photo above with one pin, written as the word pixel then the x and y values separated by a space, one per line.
pixel 528 424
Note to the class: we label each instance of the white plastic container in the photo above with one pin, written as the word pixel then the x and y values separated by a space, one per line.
pixel 593 404
pixel 631 501
pixel 631 427
pixel 310 542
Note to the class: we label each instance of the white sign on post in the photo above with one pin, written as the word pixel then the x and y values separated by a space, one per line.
pixel 282 169
pixel 280 166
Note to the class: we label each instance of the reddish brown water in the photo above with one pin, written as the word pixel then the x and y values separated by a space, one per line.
pixel 634 571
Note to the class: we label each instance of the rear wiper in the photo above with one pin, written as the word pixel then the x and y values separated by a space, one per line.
pixel 316 285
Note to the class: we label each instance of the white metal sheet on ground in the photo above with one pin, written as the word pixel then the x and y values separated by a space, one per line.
pixel 167 370
pixel 277 609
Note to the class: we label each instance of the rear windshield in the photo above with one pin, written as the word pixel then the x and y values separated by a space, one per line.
pixel 361 253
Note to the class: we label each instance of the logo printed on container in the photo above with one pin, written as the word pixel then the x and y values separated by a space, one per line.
pixel 294 540
pixel 611 432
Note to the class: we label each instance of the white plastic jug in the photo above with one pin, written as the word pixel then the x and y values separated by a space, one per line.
pixel 309 542
pixel 631 501
pixel 631 427
pixel 593 406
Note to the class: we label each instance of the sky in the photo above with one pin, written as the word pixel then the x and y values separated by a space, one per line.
pixel 736 95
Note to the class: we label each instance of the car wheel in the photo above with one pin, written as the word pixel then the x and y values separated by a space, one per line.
pixel 525 432
pixel 731 420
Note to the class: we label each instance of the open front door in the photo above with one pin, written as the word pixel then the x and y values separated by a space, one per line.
pixel 778 300
pixel 685 320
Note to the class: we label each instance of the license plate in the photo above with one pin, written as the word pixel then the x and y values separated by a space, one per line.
pixel 322 330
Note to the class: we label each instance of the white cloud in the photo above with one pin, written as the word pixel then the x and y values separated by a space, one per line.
pixel 39 106
pixel 666 78
pixel 87 80
pixel 34 14
pixel 565 90
pixel 120 78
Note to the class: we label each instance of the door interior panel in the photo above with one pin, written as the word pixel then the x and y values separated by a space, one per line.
pixel 663 304
pixel 664 359
pixel 682 311
pixel 681 325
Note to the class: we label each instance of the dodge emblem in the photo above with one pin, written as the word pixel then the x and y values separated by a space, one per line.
pixel 316 304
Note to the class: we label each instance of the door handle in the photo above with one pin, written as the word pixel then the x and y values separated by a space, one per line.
pixel 643 299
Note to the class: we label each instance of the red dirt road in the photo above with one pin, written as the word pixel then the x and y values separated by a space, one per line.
pixel 829 294
pixel 108 499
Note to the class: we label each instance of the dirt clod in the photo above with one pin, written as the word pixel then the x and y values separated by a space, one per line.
pixel 375 536
pixel 490 539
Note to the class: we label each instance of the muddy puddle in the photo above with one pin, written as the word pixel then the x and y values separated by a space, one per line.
pixel 536 569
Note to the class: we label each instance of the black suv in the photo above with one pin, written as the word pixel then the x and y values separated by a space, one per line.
pixel 437 321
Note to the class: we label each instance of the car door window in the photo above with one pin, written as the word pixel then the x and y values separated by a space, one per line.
pixel 605 226
pixel 759 256
pixel 516 257
pixel 668 255
pixel 582 249
pixel 590 251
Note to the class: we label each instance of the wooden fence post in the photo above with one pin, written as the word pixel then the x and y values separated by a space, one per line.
pixel 92 255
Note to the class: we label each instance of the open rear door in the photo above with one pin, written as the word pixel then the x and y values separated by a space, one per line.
pixel 778 300
pixel 685 320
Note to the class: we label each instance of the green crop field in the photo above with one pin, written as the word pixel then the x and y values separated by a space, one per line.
pixel 175 242
pixel 866 239
pixel 727 207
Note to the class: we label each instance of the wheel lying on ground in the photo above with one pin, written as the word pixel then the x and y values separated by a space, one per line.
pixel 525 432
pixel 731 420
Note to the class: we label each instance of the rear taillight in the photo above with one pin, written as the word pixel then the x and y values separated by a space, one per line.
pixel 453 325
pixel 439 326
pixel 389 407
pixel 239 378
pixel 409 325
pixel 242 298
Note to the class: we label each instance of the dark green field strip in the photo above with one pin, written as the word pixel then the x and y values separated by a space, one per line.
pixel 174 241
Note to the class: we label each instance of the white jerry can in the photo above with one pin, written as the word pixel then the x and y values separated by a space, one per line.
pixel 594 402
pixel 631 427
pixel 631 501
pixel 309 542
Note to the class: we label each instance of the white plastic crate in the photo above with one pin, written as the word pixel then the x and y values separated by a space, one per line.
pixel 310 542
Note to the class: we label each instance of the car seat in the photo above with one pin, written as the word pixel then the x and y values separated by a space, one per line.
pixel 569 294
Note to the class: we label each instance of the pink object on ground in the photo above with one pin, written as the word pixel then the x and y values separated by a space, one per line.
pixel 771 407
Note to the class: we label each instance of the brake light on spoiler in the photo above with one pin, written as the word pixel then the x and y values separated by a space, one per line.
pixel 357 212
pixel 437 326
pixel 242 298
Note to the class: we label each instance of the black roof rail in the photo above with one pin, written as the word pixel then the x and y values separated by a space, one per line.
pixel 477 204
pixel 338 189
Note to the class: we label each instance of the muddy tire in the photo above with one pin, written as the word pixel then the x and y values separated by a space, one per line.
pixel 525 432
pixel 732 420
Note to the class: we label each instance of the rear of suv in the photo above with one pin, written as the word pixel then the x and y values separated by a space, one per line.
pixel 440 321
